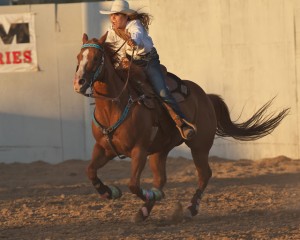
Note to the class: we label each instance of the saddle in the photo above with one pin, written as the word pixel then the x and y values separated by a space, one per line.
pixel 141 86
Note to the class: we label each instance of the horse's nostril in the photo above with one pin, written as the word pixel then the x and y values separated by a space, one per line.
pixel 81 81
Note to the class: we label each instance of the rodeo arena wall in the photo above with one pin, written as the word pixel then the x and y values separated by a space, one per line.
pixel 247 51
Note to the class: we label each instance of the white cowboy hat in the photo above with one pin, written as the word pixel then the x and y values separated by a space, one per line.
pixel 119 6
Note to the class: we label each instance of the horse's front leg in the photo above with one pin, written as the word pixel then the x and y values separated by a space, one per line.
pixel 99 159
pixel 148 196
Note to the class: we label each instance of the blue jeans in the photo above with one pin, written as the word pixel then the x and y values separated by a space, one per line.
pixel 151 65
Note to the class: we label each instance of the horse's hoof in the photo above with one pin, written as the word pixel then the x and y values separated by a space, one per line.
pixel 139 217
pixel 115 192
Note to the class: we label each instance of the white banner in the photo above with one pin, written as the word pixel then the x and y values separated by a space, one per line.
pixel 17 43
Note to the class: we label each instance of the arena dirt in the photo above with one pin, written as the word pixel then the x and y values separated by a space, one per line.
pixel 245 199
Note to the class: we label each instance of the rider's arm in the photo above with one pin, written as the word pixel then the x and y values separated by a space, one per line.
pixel 136 31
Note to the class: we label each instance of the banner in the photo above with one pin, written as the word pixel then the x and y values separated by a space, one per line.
pixel 17 43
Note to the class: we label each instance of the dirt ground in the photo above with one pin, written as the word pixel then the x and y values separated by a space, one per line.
pixel 245 199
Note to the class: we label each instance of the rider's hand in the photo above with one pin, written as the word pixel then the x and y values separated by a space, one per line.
pixel 125 63
pixel 130 41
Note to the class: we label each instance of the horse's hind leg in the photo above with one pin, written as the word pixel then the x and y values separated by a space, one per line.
pixel 204 174
pixel 99 160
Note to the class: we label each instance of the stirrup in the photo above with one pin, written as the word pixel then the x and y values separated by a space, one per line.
pixel 187 130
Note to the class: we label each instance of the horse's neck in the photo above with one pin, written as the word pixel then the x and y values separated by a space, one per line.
pixel 112 84
pixel 111 87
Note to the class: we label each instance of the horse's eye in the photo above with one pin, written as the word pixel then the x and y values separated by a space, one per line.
pixel 77 68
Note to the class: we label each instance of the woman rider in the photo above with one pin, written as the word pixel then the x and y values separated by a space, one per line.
pixel 127 22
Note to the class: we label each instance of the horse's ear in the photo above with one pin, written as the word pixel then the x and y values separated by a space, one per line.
pixel 103 38
pixel 84 38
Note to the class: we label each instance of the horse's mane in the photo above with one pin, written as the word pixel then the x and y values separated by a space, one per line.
pixel 109 49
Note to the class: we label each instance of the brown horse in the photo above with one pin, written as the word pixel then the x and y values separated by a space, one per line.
pixel 122 126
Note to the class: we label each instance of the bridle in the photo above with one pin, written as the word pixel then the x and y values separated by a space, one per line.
pixel 97 73
pixel 98 70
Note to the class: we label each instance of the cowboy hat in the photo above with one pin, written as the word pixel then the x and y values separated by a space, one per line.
pixel 119 6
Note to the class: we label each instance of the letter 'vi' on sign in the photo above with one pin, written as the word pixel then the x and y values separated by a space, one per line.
pixel 20 30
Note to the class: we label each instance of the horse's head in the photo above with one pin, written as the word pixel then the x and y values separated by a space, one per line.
pixel 90 64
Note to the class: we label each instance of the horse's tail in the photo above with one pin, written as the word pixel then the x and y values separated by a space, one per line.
pixel 258 126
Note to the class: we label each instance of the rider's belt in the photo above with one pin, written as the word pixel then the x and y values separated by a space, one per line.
pixel 145 57
pixel 138 57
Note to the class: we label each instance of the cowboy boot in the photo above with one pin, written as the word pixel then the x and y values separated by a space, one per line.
pixel 187 130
